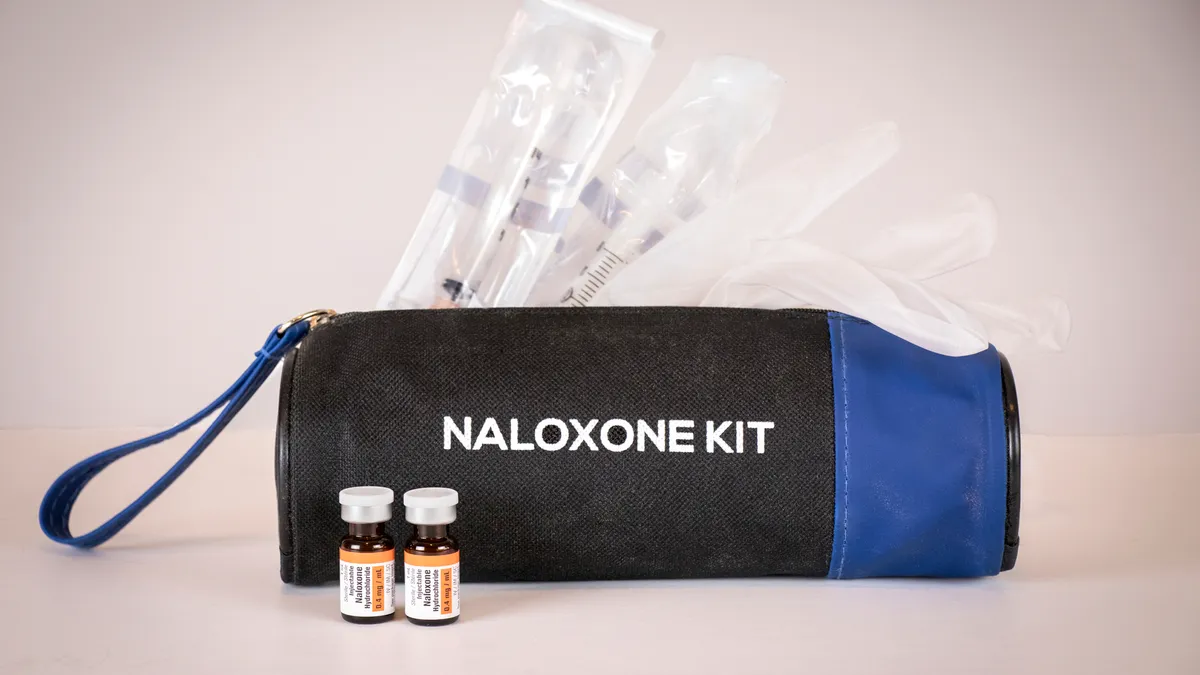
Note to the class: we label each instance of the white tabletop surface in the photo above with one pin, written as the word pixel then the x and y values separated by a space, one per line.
pixel 1108 581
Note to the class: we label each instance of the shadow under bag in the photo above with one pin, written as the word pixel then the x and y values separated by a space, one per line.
pixel 639 443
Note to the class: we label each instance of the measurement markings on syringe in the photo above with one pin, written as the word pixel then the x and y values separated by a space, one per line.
pixel 597 278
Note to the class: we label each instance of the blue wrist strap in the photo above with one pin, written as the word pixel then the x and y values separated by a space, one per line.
pixel 55 511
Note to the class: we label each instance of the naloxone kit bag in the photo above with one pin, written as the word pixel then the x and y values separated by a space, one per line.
pixel 639 443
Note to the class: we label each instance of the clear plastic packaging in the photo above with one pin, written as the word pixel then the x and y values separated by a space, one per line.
pixel 558 89
pixel 684 266
pixel 686 156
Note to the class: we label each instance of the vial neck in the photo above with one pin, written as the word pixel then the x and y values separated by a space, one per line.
pixel 430 531
pixel 366 530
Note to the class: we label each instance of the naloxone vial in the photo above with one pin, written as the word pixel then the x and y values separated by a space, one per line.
pixel 431 557
pixel 368 556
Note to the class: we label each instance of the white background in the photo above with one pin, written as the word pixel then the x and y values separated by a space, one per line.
pixel 176 177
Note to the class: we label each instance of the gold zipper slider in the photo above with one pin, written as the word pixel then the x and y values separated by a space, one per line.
pixel 313 317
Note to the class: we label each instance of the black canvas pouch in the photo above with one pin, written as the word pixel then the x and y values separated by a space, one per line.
pixel 632 443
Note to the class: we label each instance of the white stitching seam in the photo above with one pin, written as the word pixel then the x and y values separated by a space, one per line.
pixel 845 452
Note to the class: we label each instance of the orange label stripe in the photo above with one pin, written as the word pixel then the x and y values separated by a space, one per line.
pixel 367 557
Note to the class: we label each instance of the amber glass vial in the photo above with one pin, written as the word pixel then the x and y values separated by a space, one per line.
pixel 367 566
pixel 431 557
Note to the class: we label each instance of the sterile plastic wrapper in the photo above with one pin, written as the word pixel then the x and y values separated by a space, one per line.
pixel 559 87
pixel 686 156
pixel 684 266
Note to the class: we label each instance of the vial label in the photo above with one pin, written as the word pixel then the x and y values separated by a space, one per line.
pixel 431 586
pixel 368 583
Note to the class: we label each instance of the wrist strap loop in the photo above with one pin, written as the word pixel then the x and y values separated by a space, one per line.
pixel 55 512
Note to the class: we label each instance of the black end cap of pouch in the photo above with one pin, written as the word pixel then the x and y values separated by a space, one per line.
pixel 283 484
pixel 1012 428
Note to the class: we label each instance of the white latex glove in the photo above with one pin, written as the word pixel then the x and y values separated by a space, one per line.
pixel 958 234
pixel 793 273
pixel 962 233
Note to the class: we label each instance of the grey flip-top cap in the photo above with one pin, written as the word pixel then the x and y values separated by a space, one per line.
pixel 366 504
pixel 431 506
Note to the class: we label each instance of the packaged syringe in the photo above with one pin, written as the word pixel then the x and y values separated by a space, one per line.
pixel 687 156
pixel 561 84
